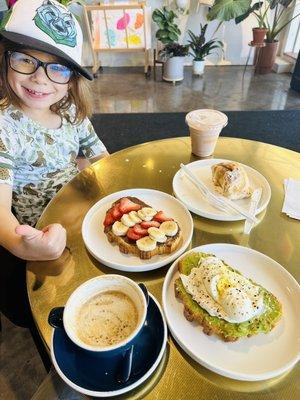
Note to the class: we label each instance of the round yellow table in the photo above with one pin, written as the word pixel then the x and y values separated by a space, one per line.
pixel 153 165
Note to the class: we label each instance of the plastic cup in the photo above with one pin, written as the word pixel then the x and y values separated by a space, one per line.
pixel 205 126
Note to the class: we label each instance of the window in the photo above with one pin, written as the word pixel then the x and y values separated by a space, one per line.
pixel 292 43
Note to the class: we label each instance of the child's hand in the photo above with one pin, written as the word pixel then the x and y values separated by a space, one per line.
pixel 47 244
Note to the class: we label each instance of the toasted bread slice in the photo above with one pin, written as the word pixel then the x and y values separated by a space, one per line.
pixel 227 331
pixel 129 246
pixel 162 248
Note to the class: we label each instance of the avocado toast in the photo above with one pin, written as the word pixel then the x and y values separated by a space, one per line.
pixel 267 309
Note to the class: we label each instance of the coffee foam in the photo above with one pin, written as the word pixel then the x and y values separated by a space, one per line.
pixel 206 119
pixel 106 319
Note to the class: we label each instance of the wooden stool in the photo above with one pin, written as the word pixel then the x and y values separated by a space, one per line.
pixel 156 61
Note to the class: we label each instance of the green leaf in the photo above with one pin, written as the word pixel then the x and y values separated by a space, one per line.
pixel 192 36
pixel 284 3
pixel 157 18
pixel 173 36
pixel 203 29
pixel 158 15
pixel 255 7
pixel 173 29
pixel 225 10
pixel 5 19
pixel 161 33
pixel 172 15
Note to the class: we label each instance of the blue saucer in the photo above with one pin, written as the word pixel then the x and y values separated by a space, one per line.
pixel 87 375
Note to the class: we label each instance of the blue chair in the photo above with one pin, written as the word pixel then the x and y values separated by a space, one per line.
pixel 295 82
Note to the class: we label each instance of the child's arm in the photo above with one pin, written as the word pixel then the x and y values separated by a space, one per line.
pixel 102 155
pixel 89 144
pixel 84 162
pixel 24 241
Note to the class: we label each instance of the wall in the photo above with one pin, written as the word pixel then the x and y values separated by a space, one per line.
pixel 235 38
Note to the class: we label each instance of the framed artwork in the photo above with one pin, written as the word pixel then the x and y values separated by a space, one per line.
pixel 121 28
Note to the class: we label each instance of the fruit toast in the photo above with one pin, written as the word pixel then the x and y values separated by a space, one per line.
pixel 139 229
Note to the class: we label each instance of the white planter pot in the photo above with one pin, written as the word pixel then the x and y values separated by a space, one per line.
pixel 173 69
pixel 198 67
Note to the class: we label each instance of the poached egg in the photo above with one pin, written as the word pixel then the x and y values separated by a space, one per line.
pixel 223 293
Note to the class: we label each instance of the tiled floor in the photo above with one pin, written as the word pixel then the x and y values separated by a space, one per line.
pixel 126 90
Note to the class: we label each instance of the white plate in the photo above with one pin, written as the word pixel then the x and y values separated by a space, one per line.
pixel 187 192
pixel 259 357
pixel 109 254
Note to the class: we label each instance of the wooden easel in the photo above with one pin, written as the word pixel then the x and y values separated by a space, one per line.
pixel 97 46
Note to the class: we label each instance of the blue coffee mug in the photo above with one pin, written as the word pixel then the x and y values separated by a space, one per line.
pixel 117 357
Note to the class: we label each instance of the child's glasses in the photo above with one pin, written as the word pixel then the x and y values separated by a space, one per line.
pixel 25 64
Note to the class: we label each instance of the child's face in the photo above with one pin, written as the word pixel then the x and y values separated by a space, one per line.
pixel 36 90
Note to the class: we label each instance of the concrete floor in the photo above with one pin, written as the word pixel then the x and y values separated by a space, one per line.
pixel 125 90
pixel 21 369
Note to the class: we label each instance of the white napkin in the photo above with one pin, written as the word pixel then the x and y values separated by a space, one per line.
pixel 291 204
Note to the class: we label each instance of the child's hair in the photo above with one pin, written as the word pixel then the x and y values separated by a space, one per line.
pixel 79 92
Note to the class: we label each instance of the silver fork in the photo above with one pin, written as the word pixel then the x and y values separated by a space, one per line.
pixel 205 194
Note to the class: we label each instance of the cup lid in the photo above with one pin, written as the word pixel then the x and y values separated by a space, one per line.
pixel 206 118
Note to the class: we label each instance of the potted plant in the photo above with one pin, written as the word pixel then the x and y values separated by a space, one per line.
pixel 276 15
pixel 172 53
pixel 260 31
pixel 274 22
pixel 200 48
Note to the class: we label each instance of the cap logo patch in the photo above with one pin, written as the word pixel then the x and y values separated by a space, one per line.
pixel 56 23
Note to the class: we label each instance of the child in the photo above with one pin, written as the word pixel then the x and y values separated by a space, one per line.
pixel 43 122
pixel 44 104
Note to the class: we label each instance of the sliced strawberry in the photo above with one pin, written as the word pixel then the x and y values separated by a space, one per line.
pixel 139 230
pixel 116 213
pixel 161 217
pixel 109 219
pixel 132 235
pixel 150 224
pixel 127 205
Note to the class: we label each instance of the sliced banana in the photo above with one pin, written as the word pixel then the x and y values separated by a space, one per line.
pixel 169 228
pixel 119 229
pixel 149 211
pixel 146 243
pixel 126 220
pixel 143 216
pixel 157 234
pixel 134 216
pixel 146 213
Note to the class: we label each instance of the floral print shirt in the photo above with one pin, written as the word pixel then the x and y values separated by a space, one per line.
pixel 37 161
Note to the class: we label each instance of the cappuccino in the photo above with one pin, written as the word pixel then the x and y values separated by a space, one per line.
pixel 106 319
